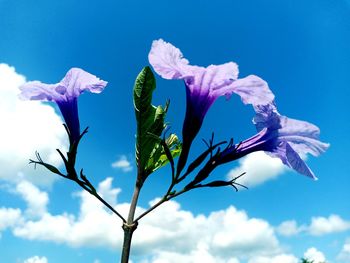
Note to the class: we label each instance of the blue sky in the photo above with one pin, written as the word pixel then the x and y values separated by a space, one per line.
pixel 301 48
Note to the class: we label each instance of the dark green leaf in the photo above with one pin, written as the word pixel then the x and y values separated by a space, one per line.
pixel 159 157
pixel 150 123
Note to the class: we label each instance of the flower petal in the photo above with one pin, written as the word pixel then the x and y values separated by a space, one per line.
pixel 218 77
pixel 266 117
pixel 168 60
pixel 206 83
pixel 295 162
pixel 251 89
pixel 304 145
pixel 36 90
pixel 77 81
pixel 292 159
pixel 71 86
pixel 302 136
pixel 303 128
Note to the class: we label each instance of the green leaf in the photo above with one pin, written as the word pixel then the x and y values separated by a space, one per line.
pixel 159 157
pixel 150 121
pixel 150 153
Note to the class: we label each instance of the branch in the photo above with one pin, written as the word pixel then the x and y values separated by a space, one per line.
pixel 172 195
pixel 71 173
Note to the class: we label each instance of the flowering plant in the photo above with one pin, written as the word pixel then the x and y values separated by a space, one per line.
pixel 277 135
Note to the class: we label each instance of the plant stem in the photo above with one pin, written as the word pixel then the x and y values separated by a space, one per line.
pixel 109 206
pixel 87 186
pixel 167 197
pixel 130 226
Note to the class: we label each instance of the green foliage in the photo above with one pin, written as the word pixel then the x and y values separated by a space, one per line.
pixel 159 158
pixel 150 153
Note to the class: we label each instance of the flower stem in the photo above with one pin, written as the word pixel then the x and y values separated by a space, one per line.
pixel 130 225
pixel 166 198
pixel 109 206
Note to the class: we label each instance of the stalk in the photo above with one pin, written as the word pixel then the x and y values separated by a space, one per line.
pixel 130 225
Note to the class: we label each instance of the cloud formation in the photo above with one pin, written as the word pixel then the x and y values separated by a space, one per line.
pixel 36 259
pixel 36 200
pixel 199 255
pixel 259 168
pixel 314 255
pixel 229 233
pixel 9 217
pixel 123 164
pixel 289 228
pixel 169 232
pixel 281 258
pixel 318 226
pixel 28 126
pixel 344 255
pixel 321 225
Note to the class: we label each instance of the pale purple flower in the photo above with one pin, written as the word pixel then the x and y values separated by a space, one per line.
pixel 204 86
pixel 65 94
pixel 282 137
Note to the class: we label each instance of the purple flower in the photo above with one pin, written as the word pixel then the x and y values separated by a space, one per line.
pixel 282 137
pixel 204 86
pixel 65 94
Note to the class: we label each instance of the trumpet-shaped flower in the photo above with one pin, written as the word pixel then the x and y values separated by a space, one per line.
pixel 282 137
pixel 204 86
pixel 65 94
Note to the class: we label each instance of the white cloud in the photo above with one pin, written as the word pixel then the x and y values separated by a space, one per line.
pixel 36 259
pixel 51 228
pixel 322 225
pixel 36 200
pixel 199 255
pixel 9 217
pixel 26 126
pixel 227 233
pixel 318 226
pixel 237 233
pixel 168 232
pixel 312 254
pixel 259 167
pixel 107 192
pixel 123 164
pixel 282 258
pixel 344 255
pixel 289 228
pixel 93 227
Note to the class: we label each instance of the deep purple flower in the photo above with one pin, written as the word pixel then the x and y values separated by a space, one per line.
pixel 204 86
pixel 282 137
pixel 65 94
